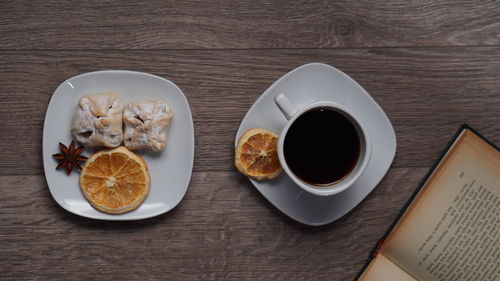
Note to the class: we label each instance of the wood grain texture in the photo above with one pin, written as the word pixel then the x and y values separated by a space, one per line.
pixel 225 24
pixel 222 230
pixel 426 92
pixel 430 64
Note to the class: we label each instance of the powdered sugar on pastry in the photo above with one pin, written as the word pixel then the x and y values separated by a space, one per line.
pixel 146 124
pixel 98 120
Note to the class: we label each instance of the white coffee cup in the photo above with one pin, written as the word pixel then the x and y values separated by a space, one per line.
pixel 291 112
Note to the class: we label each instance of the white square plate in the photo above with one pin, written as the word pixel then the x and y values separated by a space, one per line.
pixel 304 85
pixel 170 169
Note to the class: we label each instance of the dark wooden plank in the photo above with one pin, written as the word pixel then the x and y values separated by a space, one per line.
pixel 427 93
pixel 225 24
pixel 222 230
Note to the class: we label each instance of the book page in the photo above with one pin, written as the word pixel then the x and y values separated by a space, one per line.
pixel 382 269
pixel 451 230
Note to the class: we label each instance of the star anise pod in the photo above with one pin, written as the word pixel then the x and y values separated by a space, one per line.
pixel 69 157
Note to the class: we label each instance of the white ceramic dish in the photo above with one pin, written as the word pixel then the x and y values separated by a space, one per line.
pixel 304 85
pixel 170 170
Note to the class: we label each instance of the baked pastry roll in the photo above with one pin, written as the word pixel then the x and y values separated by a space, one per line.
pixel 98 120
pixel 146 124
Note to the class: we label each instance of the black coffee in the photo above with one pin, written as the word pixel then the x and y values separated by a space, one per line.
pixel 321 147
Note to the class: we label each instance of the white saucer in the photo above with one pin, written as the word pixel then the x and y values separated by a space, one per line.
pixel 170 169
pixel 303 85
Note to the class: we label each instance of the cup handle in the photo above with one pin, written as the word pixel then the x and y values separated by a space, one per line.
pixel 286 107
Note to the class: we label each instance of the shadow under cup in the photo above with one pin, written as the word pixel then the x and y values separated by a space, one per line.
pixel 325 148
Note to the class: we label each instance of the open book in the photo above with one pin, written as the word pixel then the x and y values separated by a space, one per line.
pixel 451 228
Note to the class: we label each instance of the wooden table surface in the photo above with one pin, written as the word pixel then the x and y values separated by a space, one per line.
pixel 431 65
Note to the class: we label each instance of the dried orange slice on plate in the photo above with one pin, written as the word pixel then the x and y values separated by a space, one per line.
pixel 115 181
pixel 256 154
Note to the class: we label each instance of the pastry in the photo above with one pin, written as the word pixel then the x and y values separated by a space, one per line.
pixel 98 120
pixel 146 124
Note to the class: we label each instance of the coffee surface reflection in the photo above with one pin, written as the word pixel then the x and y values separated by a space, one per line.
pixel 322 147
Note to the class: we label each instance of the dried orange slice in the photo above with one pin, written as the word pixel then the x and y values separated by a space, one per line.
pixel 256 154
pixel 115 181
